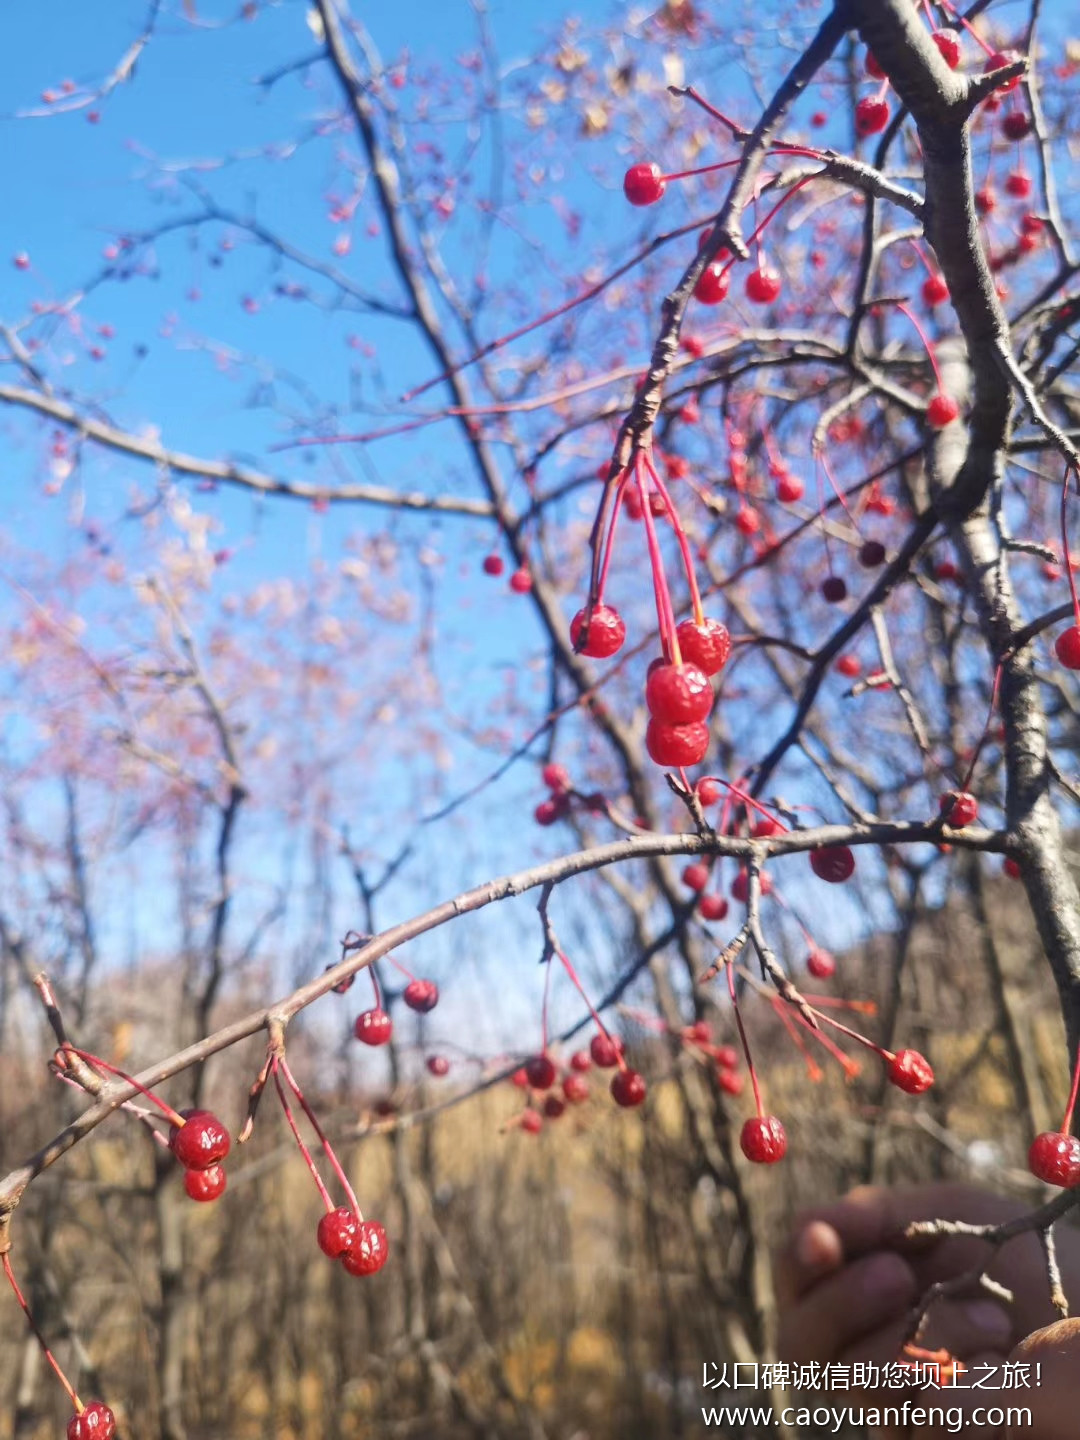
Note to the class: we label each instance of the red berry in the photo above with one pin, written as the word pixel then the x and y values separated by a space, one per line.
pixel 995 62
pixel 747 520
pixel 520 1079
pixel 205 1184
pixel 763 285
pixel 985 201
pixel 342 985
pixel 1016 125
pixel 201 1141
pixel 97 1422
pixel 834 589
pixel 934 290
pixel 713 284
pixel 1067 647
pixel 789 488
pixel 554 1106
pixel 438 1065
pixel 21 261
pixel 642 184
pixel 946 570
pixel 849 665
pixel 369 1251
pixel 740 886
pixel 1018 184
pixel 708 791
pixel 872 66
pixel 941 411
pixel 729 1082
pixel 871 116
pixel 1011 867
pixel 521 581
pixel 421 995
pixel 628 1089
pixel 677 745
pixel 726 1057
pixel 531 1122
pixel 605 1050
pixel 696 876
pixel 910 1071
pixel 834 863
pixel 959 808
pixel 373 1027
pixel 576 1089
pixel 871 554
pixel 540 1070
pixel 1055 1158
pixel 336 1232
pixel 763 1140
pixel 606 632
pixel 551 809
pixel 699 1033
pixel 949 46
pixel 820 964
pixel 707 645
pixel 765 827
pixel 581 1061
pixel 713 907
pixel 555 777
pixel 678 694
pixel 818 119
pixel 493 565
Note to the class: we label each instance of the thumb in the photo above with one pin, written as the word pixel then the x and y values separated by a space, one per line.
pixel 1055 1401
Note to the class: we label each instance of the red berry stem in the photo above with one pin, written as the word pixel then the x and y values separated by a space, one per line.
pixel 623 480
pixel 760 229
pixel 813 1069
pixel 931 353
pixel 665 614
pixel 1065 541
pixel 304 1151
pixel 328 1149
pixel 684 543
pixel 592 1010
pixel 820 454
pixel 704 170
pixel 987 49
pixel 965 784
pixel 167 1110
pixel 49 1356
pixel 744 1041
pixel 1066 1124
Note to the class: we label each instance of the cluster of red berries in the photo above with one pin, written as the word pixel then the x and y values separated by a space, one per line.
pixel 540 1073
pixel 374 1026
pixel 201 1144
pixel 561 796
pixel 360 1245
pixel 520 579
pixel 725 1058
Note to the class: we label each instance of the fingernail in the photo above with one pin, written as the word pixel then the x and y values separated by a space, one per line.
pixel 817 1245
pixel 886 1277
pixel 991 1319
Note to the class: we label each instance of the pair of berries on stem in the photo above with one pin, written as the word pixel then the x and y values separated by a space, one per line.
pixel 374 1027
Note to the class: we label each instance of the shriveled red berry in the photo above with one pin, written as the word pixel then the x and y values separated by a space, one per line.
pixel 628 1089
pixel 959 808
pixel 677 745
pixel 492 565
pixel 1067 647
pixel 369 1251
pixel 934 290
pixel 554 1106
pixel 336 1232
pixel 763 1140
pixel 834 863
pixel 820 964
pixel 531 1122
pixel 713 284
pixel 205 1185
pixel 910 1071
pixel 605 1050
pixel 834 589
pixel 871 116
pixel 541 1072
pixel 763 285
pixel 606 632
pixel 707 645
pixel 576 1089
pixel 729 1082
pixel 421 995
pixel 97 1422
pixel 373 1027
pixel 642 183
pixel 1055 1158
pixel 713 907
pixel 949 46
pixel 438 1065
pixel 678 694
pixel 201 1141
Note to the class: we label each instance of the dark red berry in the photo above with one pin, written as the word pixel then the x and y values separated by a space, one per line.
pixel 554 808
pixel 713 907
pixel 1055 1158
pixel 541 1072
pixel 713 284
pixel 201 1141
pixel 834 589
pixel 834 863
pixel 421 995
pixel 872 66
pixel 336 1232
pixel 677 745
pixel 699 1033
pixel 1067 647
pixel 628 1089
pixel 707 645
pixel 678 694
pixel 576 1089
pixel 204 1185
pixel 871 116
pixel 605 1050
pixel 606 632
pixel 763 285
pixel 554 1106
pixel 373 1027
pixel 1016 125
pixel 934 290
pixel 871 554
pixel 642 184
pixel 493 565
pixel 581 1061
pixel 910 1071
pixel 959 808
pixel 438 1065
pixel 820 964
pixel 763 1140
pixel 369 1251
pixel 97 1422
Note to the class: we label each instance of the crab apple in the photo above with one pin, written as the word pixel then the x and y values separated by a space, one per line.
pixel 834 863
pixel 819 119
pixel 493 565
pixel 521 581
pixel 763 285
pixel 708 791
pixel 695 876
pixel 707 645
pixel 1016 125
pixel 727 1056
pixel 849 665
pixel 1067 647
pixel 201 1141
pixel 421 995
pixel 204 1185
pixel 336 1232
pixel 438 1065
pixel 628 1089
pixel 713 284
pixel 713 907
pixel 985 200
pixel 834 589
pixel 740 886
pixel 1018 184
pixel 21 261
pixel 763 1140
pixel 581 1061
pixel 729 1082
pixel 820 964
pixel 605 1050
pixel 607 631
pixel 941 411
pixel 643 184
pixel 934 290
pixel 555 777
pixel 910 1071
pixel 369 1251
pixel 871 116
pixel 531 1122
pixel 554 1106
pixel 995 62
pixel 699 1033
pixel 789 488
pixel 949 46
pixel 678 694
pixel 1055 1158
pixel 520 1079
pixel 747 521
pixel 575 1089
pixel 872 66
pixel 871 554
pixel 373 1027
pixel 555 807
pixel 677 745
pixel 766 826
pixel 96 1422
pixel 541 1072
pixel 1011 867
pixel 958 808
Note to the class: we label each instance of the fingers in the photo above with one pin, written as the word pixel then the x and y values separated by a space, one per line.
pixel 1055 1402
pixel 855 1300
